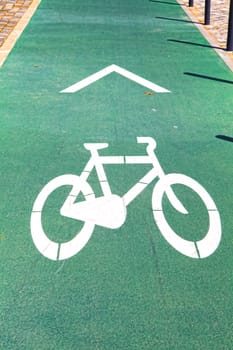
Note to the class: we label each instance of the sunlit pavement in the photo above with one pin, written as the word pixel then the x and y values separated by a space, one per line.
pixel 116 172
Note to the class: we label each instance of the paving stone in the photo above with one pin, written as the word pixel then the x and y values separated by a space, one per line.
pixel 218 18
pixel 10 13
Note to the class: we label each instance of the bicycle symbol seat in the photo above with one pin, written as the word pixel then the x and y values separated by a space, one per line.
pixel 110 210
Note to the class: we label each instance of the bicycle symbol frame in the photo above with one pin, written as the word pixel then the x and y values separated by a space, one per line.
pixel 110 210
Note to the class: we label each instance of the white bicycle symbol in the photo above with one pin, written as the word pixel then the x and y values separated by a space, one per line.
pixel 110 209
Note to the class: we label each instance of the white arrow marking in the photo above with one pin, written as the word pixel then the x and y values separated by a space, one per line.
pixel 108 70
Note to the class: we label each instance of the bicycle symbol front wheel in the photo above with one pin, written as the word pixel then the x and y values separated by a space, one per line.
pixel 47 247
pixel 194 249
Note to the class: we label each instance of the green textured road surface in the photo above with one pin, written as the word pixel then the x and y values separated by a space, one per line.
pixel 128 288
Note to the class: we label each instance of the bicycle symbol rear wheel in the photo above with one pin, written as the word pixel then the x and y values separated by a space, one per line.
pixel 199 249
pixel 47 247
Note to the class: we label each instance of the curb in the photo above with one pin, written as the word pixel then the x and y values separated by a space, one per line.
pixel 226 56
pixel 17 31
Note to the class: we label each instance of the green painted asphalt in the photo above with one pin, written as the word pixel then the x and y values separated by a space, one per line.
pixel 128 288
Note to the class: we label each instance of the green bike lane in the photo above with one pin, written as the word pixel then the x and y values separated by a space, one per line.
pixel 128 288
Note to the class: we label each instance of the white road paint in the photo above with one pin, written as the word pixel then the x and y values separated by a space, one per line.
pixel 106 211
pixel 211 240
pixel 47 247
pixel 108 70
pixel 110 210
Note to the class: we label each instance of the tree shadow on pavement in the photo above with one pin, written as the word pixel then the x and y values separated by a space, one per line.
pixel 167 2
pixel 176 19
pixel 224 138
pixel 209 78
pixel 195 44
